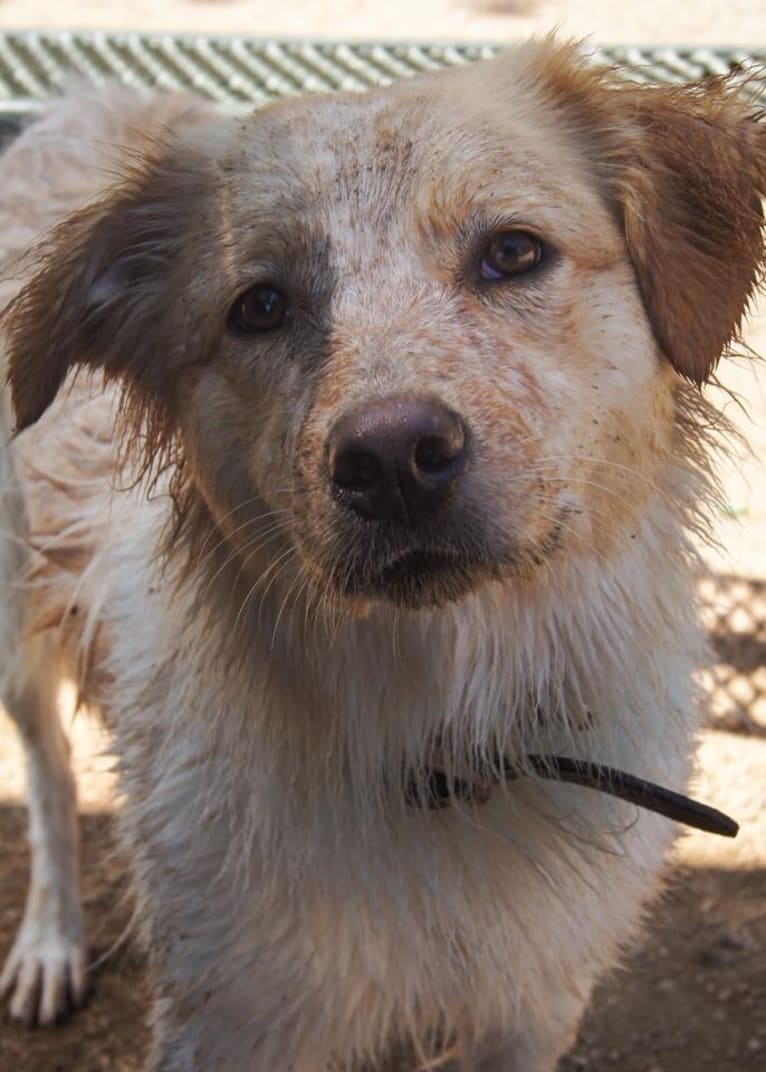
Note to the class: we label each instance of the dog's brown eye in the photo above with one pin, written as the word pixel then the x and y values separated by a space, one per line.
pixel 511 253
pixel 261 308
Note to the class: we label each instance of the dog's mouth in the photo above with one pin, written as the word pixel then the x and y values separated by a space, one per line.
pixel 433 571
pixel 426 569
pixel 415 577
pixel 420 567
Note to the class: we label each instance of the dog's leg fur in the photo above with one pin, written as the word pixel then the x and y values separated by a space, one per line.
pixel 535 1042
pixel 529 1050
pixel 45 969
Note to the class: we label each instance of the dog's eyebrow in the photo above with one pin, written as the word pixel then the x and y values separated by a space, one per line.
pixel 554 215
pixel 278 244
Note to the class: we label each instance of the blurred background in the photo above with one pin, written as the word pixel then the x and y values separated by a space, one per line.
pixel 686 21
pixel 695 996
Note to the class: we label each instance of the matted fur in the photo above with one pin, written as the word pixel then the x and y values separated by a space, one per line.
pixel 197 573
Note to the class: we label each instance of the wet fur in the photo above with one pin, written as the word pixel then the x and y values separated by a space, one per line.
pixel 193 570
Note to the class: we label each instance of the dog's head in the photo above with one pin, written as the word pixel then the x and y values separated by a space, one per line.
pixel 419 339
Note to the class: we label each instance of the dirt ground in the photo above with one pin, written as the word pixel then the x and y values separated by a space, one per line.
pixel 692 998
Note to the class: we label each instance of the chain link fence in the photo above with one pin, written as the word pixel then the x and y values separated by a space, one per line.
pixel 734 611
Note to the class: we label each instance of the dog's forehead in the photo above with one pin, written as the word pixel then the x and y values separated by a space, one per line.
pixel 437 146
pixel 337 149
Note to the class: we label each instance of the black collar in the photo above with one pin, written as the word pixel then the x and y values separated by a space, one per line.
pixel 439 790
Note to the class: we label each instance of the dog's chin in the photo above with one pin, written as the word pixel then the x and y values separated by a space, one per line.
pixel 416 579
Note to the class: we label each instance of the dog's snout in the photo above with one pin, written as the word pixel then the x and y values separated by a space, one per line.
pixel 396 459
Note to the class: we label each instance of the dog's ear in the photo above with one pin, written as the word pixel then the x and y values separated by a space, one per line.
pixel 108 276
pixel 692 214
pixel 685 170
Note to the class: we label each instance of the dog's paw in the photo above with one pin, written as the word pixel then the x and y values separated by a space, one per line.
pixel 44 975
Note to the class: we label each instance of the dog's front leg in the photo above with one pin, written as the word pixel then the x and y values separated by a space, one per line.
pixel 208 1042
pixel 44 973
pixel 234 985
pixel 519 1054
pixel 536 1046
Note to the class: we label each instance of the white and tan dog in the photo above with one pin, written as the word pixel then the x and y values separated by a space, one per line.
pixel 382 460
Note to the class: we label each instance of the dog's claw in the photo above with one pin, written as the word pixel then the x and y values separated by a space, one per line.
pixel 44 976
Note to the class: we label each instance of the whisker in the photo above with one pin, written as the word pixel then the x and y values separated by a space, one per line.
pixel 274 566
pixel 235 510
pixel 226 537
pixel 253 546
pixel 278 567
pixel 299 581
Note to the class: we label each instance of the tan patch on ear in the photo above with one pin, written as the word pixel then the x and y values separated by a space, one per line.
pixel 694 222
pixel 685 168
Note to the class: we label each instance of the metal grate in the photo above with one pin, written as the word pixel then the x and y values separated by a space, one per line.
pixel 239 73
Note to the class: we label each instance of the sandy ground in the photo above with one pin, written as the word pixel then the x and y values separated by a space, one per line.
pixel 694 997
pixel 697 21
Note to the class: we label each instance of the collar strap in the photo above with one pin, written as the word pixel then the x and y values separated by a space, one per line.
pixel 440 790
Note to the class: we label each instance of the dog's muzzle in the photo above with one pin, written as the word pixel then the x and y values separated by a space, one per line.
pixel 394 466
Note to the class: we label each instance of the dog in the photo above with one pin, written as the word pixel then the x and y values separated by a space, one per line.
pixel 360 448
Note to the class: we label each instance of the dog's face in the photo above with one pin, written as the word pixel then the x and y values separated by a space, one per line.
pixel 421 339
pixel 426 347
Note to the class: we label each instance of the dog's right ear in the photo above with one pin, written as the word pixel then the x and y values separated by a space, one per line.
pixel 109 275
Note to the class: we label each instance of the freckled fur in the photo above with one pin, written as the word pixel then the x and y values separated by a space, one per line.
pixel 295 910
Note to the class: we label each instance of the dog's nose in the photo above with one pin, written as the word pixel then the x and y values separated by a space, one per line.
pixel 396 459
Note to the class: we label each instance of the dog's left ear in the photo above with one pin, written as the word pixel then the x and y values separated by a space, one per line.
pixel 685 170
pixel 691 204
